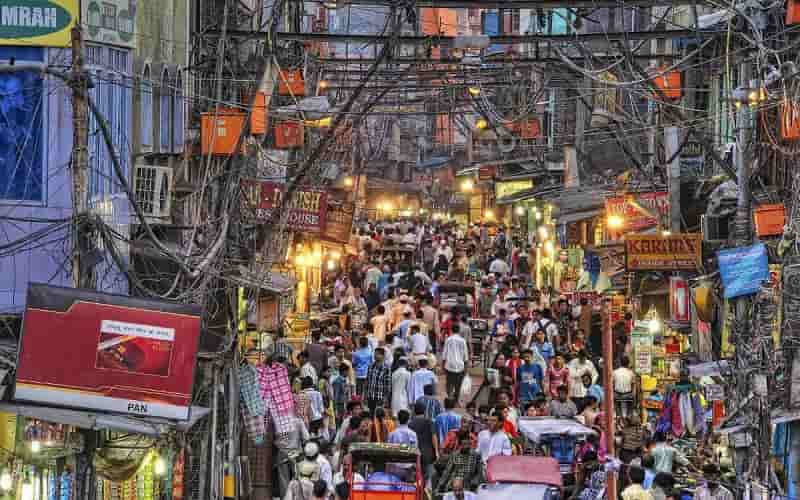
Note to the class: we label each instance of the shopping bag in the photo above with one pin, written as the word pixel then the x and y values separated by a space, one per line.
pixel 466 389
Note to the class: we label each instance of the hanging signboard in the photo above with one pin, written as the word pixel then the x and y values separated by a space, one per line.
pixel 639 211
pixel 653 252
pixel 743 269
pixel 679 296
pixel 508 188
pixel 339 218
pixel 113 22
pixel 644 361
pixel 307 210
pixel 118 354
pixel 486 173
pixel 715 392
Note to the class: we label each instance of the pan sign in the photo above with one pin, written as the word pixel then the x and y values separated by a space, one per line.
pixel 652 252
pixel 117 354
pixel 307 209
pixel 43 23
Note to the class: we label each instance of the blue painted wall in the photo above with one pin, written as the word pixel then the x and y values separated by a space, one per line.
pixel 35 182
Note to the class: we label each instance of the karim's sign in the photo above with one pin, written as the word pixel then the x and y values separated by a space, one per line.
pixel 41 23
pixel 308 207
pixel 114 353
pixel 651 252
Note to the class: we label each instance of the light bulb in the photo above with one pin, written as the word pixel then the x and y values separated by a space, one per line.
pixel 549 247
pixel 474 91
pixel 336 255
pixel 331 265
pixel 6 481
pixel 538 215
pixel 348 181
pixel 654 326
pixel 36 446
pixel 520 211
pixel 615 221
pixel 543 232
pixel 159 466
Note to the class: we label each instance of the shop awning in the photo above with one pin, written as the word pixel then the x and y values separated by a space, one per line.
pixel 277 283
pixel 569 218
pixel 102 421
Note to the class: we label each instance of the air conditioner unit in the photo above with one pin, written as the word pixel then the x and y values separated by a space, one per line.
pixel 153 189
pixel 715 227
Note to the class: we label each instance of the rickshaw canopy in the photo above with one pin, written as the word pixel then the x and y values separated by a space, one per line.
pixel 383 452
pixel 523 470
pixel 535 428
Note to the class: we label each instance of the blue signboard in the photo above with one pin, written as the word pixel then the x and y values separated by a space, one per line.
pixel 743 269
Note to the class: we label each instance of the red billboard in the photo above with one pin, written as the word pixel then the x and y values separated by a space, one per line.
pixel 307 211
pixel 96 351
pixel 641 210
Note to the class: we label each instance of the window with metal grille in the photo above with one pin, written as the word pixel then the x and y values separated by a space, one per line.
pixel 111 70
pixel 146 110
pixel 178 114
pixel 165 113
pixel 145 188
pixel 109 16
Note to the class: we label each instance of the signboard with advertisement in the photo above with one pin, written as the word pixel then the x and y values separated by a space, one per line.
pixel 113 22
pixel 507 188
pixel 654 252
pixel 39 23
pixel 743 270
pixel 679 300
pixel 307 212
pixel 339 218
pixel 116 353
pixel 641 210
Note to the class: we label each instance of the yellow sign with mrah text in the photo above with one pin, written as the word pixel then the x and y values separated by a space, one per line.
pixel 39 23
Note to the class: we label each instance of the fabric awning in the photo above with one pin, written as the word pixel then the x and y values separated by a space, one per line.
pixel 102 421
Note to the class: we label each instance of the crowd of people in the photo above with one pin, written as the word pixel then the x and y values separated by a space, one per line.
pixel 395 368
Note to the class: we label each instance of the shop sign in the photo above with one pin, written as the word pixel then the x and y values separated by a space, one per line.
pixel 641 210
pixel 651 252
pixel 508 188
pixel 123 354
pixel 679 309
pixel 644 361
pixel 41 23
pixel 743 270
pixel 486 173
pixel 715 392
pixel 339 219
pixel 113 22
pixel 307 210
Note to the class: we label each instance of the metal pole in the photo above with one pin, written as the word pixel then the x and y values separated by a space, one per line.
pixel 608 389
pixel 674 178
pixel 212 467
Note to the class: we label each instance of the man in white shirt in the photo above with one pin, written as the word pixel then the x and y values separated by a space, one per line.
pixel 458 492
pixel 499 267
pixel 578 367
pixel 712 490
pixel 455 355
pixel 494 441
pixel 418 344
pixel 624 382
pixel 443 249
pixel 421 377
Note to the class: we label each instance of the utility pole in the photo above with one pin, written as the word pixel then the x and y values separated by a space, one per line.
pixel 608 388
pixel 673 178
pixel 79 160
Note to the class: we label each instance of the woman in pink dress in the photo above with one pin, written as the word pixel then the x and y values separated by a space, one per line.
pixel 558 375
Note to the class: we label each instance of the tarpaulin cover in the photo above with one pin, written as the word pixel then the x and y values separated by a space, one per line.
pixel 523 469
pixel 535 428
pixel 513 492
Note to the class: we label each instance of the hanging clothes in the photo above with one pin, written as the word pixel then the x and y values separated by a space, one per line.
pixel 687 412
pixel 277 394
pixel 677 421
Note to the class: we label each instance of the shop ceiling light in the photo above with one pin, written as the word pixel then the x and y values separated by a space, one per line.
pixel 520 211
pixel 474 91
pixel 6 481
pixel 348 181
pixel 159 466
pixel 481 124
pixel 467 185
pixel 615 222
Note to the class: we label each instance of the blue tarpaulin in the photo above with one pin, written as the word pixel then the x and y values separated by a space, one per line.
pixel 743 269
